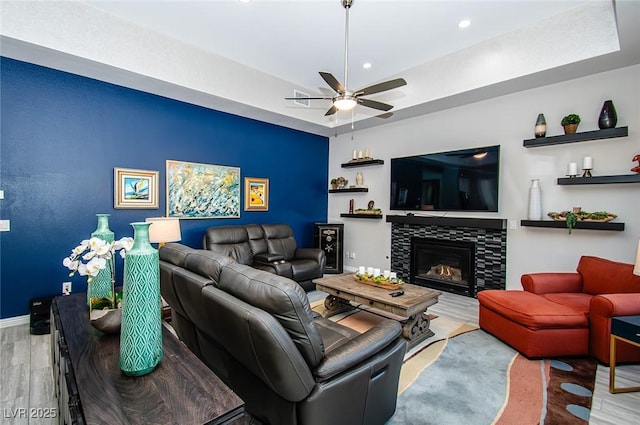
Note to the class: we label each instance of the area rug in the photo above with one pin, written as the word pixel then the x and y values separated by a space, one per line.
pixel 463 375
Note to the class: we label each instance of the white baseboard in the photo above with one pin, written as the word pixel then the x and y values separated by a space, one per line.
pixel 14 321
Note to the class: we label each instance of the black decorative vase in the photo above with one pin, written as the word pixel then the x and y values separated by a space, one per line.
pixel 608 117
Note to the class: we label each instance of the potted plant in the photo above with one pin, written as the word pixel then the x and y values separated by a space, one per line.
pixel 570 123
pixel 334 183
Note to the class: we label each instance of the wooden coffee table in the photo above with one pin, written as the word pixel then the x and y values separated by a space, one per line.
pixel 410 309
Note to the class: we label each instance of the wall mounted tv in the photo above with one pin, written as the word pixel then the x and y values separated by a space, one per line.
pixel 461 180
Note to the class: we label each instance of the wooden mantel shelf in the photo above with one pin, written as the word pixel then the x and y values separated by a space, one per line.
pixel 482 223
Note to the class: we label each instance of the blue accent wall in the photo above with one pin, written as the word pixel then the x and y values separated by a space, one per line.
pixel 63 134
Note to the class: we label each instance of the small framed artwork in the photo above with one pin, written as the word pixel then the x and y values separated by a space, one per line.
pixel 256 194
pixel 135 189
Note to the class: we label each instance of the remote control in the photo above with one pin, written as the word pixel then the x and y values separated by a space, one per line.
pixel 397 293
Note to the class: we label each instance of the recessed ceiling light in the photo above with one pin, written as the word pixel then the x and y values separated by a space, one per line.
pixel 464 23
pixel 245 1
pixel 366 65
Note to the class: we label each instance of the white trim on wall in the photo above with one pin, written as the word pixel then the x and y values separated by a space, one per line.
pixel 14 321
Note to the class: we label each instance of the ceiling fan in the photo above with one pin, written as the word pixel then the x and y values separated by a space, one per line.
pixel 345 100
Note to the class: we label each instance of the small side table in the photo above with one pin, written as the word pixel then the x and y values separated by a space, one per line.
pixel 627 329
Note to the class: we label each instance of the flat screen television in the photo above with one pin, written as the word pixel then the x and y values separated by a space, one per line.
pixel 461 180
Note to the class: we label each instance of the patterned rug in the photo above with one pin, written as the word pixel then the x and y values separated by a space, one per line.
pixel 463 375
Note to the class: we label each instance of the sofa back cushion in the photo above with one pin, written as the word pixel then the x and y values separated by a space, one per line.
pixel 284 299
pixel 255 339
pixel 172 256
pixel 601 276
pixel 230 241
pixel 280 240
pixel 207 264
pixel 257 242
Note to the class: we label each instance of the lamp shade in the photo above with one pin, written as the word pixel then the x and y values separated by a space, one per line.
pixel 164 229
pixel 636 269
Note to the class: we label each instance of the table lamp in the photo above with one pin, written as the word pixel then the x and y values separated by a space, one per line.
pixel 636 268
pixel 163 230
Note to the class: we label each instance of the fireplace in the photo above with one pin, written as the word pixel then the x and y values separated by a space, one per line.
pixel 443 264
pixel 488 235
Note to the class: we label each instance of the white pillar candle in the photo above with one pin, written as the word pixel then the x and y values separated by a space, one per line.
pixel 366 153
pixel 386 273
pixel 587 163
pixel 355 154
pixel 393 275
pixel 360 154
pixel 573 169
pixel 370 271
pixel 376 272
pixel 361 270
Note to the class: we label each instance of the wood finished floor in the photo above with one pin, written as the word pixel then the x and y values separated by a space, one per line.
pixel 26 379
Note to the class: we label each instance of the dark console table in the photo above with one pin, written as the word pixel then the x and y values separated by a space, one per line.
pixel 91 388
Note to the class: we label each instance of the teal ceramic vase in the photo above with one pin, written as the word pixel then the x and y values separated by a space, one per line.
pixel 141 329
pixel 101 286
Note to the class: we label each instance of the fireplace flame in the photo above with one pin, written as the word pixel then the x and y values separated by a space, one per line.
pixel 445 270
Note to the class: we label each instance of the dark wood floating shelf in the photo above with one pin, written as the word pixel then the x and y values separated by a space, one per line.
pixel 363 163
pixel 626 178
pixel 349 189
pixel 608 133
pixel 590 225
pixel 361 215
pixel 481 223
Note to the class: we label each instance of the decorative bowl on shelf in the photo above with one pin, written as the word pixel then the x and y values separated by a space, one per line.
pixel 375 211
pixel 380 281
pixel 597 216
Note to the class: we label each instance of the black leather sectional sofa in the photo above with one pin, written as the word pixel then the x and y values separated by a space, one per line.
pixel 257 332
pixel 270 247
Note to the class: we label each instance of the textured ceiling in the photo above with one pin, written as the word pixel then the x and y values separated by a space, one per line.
pixel 245 58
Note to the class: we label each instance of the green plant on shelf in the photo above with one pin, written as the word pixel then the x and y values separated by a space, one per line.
pixel 570 119
pixel 572 219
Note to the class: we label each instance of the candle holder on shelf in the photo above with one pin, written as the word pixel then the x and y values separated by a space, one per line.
pixel 587 166
pixel 572 170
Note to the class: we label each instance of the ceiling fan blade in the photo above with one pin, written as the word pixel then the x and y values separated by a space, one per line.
pixel 375 104
pixel 331 111
pixel 333 82
pixel 385 115
pixel 380 87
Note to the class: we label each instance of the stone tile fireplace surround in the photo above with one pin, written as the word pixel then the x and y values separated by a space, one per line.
pixel 489 236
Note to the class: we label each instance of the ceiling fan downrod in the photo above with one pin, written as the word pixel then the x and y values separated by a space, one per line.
pixel 347 5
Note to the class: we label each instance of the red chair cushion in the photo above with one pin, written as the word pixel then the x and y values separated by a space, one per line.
pixel 531 310
pixel 575 301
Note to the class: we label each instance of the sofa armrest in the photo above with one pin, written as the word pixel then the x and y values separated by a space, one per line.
pixel 610 305
pixel 279 267
pixel 358 350
pixel 267 258
pixel 548 283
pixel 601 309
pixel 310 254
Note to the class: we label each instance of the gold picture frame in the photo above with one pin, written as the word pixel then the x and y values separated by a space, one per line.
pixel 256 194
pixel 135 189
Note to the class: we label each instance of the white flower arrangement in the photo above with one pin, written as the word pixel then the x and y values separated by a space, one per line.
pixel 95 252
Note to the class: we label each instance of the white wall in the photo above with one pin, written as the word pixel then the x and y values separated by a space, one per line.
pixel 507 121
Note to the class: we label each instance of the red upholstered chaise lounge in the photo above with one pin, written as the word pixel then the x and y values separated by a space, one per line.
pixel 565 314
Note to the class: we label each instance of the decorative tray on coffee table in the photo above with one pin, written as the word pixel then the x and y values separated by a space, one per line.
pixel 379 281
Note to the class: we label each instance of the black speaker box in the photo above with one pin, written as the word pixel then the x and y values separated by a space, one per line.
pixel 40 320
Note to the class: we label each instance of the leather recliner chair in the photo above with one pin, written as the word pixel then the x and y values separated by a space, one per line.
pixel 257 332
pixel 269 247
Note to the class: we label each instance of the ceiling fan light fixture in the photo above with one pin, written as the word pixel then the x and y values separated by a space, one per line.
pixel 345 103
pixel 480 155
